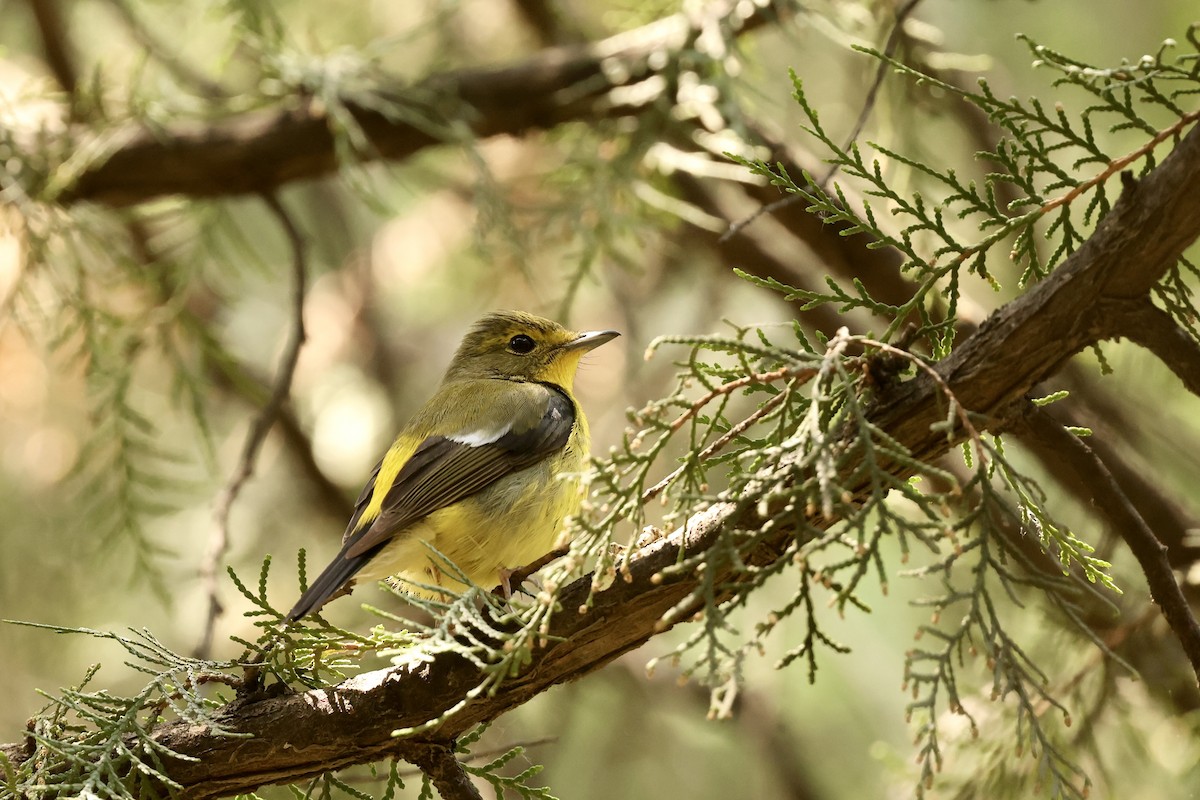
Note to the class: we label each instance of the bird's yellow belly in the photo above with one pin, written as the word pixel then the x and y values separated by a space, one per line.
pixel 508 525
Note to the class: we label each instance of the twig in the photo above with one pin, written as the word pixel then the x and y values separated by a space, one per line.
pixel 182 72
pixel 1108 496
pixel 218 541
pixel 1025 220
pixel 56 48
pixel 1112 640
pixel 864 114
pixel 889 48
pixel 445 772
pixel 474 757
pixel 521 574
pixel 250 388
pixel 764 252
pixel 1118 164
pixel 732 433
pixel 1096 409
pixel 740 383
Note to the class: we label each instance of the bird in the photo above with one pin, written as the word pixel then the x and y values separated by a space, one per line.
pixel 483 473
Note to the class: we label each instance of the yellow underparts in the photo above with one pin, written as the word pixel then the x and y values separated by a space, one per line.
pixel 508 525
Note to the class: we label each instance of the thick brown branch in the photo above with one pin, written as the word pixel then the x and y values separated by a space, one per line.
pixel 1134 246
pixel 260 151
pixel 1107 496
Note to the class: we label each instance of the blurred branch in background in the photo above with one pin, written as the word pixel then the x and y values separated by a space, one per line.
pixel 218 543
pixel 56 49
pixel 1074 458
pixel 166 55
pixel 261 151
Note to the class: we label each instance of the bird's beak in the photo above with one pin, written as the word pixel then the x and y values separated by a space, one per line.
pixel 589 340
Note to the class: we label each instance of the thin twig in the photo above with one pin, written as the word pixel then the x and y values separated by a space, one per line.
pixel 56 48
pixel 520 575
pixel 473 757
pixel 730 435
pixel 1112 640
pixel 247 386
pixel 1091 407
pixel 1110 499
pixel 893 41
pixel 218 542
pixel 183 73
pixel 864 114
pixel 733 386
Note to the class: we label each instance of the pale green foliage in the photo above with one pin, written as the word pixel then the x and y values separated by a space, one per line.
pixel 1030 160
pixel 829 488
pixel 503 785
pixel 92 743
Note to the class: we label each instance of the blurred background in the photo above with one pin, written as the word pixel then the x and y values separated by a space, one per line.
pixel 137 344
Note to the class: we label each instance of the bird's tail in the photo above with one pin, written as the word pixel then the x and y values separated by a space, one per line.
pixel 331 581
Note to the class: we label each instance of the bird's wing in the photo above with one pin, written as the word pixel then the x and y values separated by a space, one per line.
pixel 440 472
pixel 364 500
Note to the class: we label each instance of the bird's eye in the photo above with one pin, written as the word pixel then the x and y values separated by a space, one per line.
pixel 521 344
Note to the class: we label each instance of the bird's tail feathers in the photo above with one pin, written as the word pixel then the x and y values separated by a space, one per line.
pixel 329 582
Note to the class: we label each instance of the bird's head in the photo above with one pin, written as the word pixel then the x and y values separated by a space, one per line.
pixel 516 345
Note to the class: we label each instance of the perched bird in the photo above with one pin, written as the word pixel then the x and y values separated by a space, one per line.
pixel 484 472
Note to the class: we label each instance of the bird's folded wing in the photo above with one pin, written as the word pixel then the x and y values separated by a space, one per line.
pixel 441 471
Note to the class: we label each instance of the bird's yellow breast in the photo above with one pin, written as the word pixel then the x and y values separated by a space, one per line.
pixel 509 524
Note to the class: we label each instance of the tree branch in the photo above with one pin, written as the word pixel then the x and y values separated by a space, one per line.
pixel 260 151
pixel 1106 494
pixel 1093 409
pixel 446 773
pixel 1076 306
